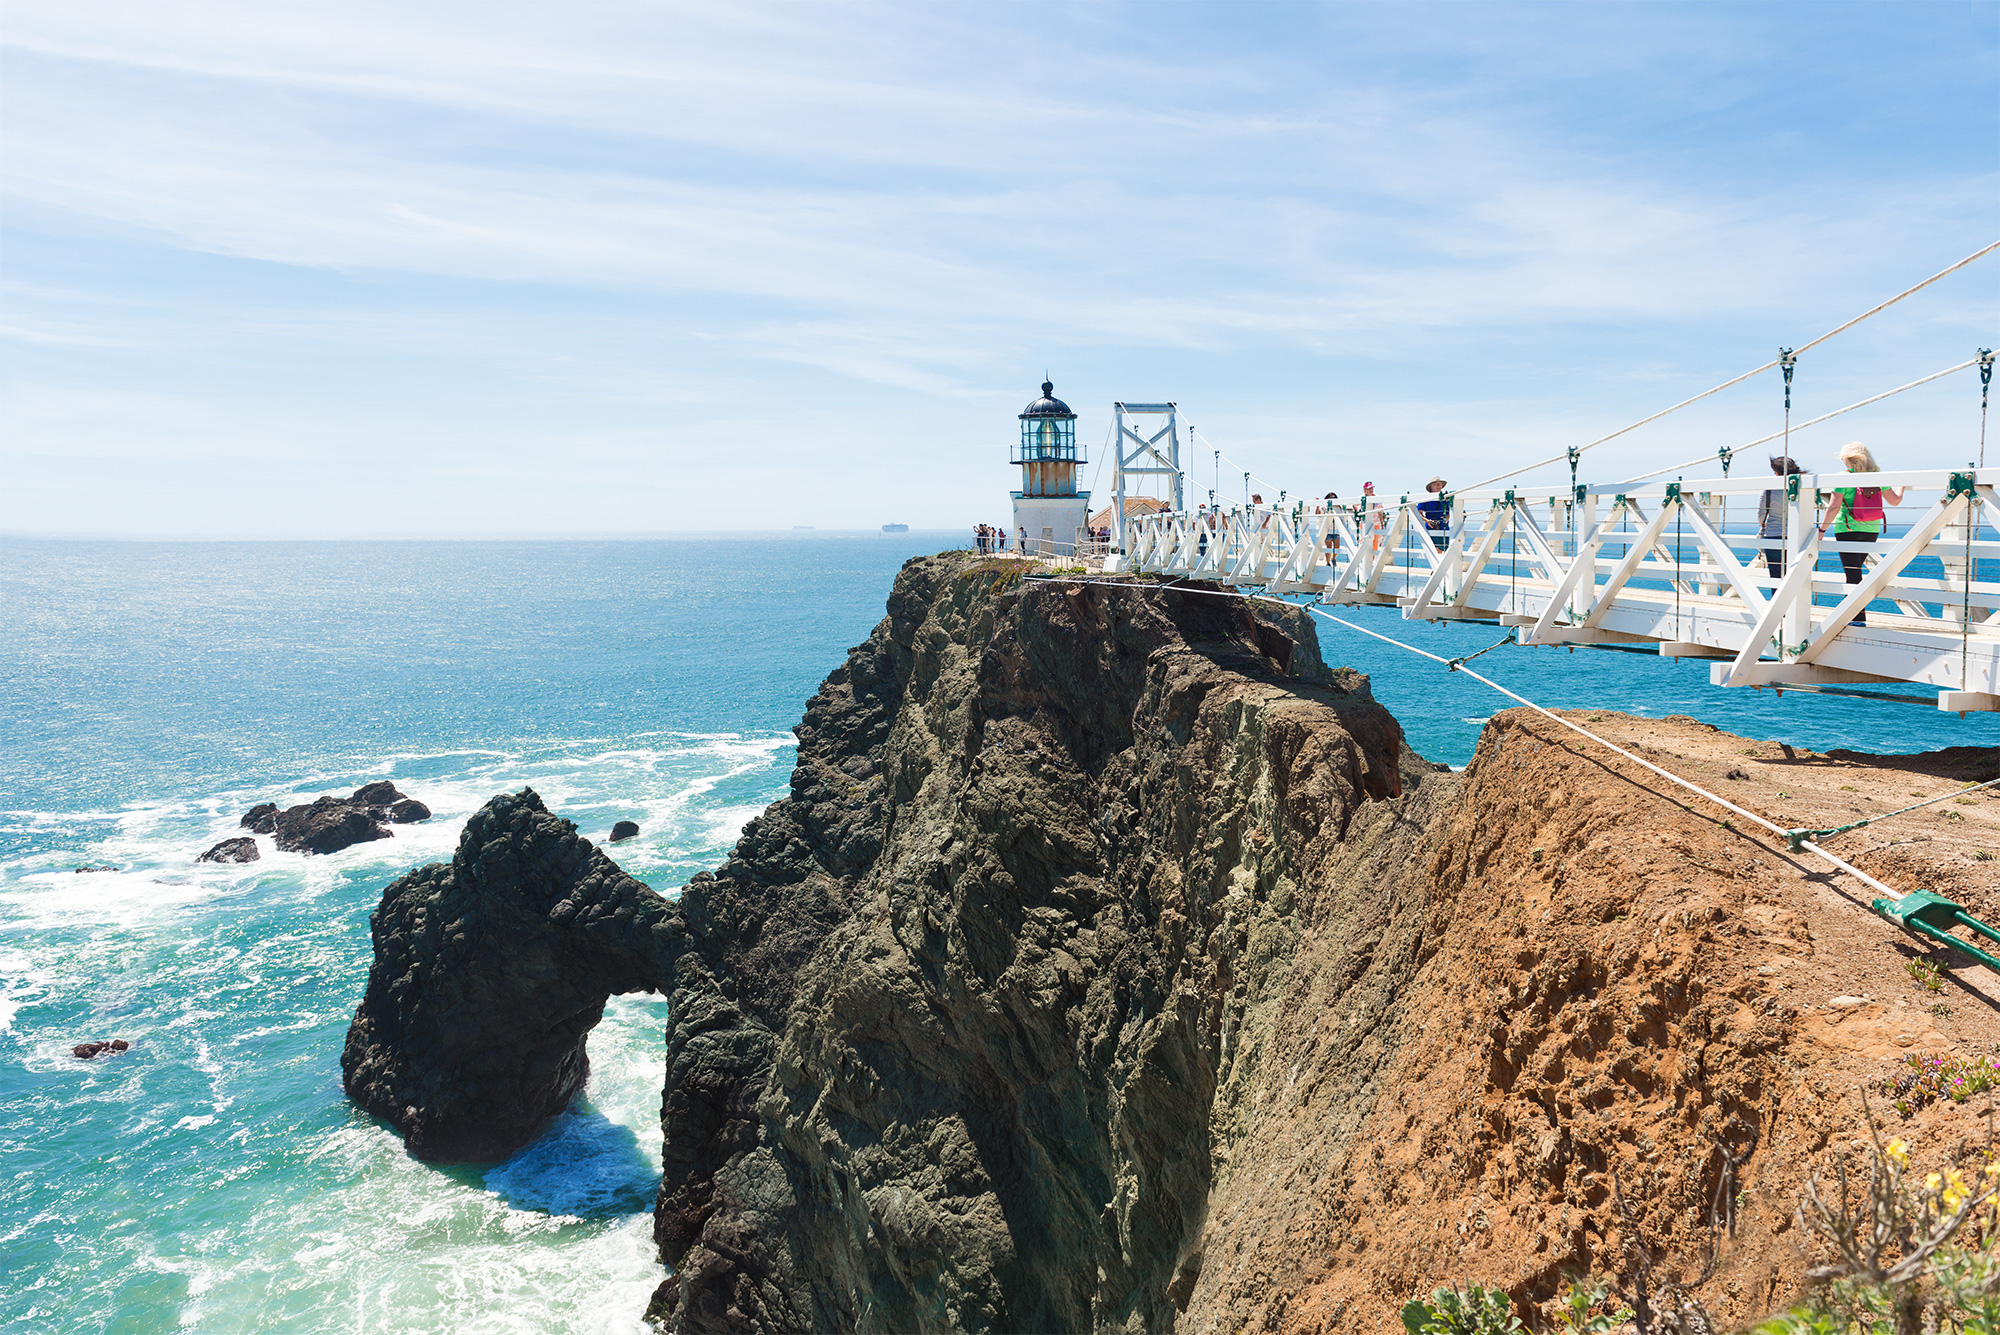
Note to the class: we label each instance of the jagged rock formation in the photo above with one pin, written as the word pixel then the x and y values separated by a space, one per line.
pixel 326 826
pixel 1113 965
pixel 489 972
pixel 333 823
pixel 963 1030
pixel 240 849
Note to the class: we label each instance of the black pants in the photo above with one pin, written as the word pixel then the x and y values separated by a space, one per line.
pixel 1853 563
pixel 1774 561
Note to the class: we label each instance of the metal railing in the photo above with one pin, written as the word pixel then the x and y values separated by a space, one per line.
pixel 1678 565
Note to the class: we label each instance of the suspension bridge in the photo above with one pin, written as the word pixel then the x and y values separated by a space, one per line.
pixel 1688 568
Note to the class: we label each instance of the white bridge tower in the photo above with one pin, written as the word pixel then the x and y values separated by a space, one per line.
pixel 1144 456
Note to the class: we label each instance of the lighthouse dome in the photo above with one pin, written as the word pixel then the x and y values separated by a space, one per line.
pixel 1048 405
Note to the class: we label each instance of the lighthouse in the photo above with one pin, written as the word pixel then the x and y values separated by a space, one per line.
pixel 1048 507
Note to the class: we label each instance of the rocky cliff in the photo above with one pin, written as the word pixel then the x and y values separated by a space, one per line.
pixel 1113 965
pixel 969 1029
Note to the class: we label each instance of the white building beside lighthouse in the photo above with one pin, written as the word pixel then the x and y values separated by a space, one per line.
pixel 1048 507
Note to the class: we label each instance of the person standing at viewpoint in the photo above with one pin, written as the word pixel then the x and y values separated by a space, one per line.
pixel 1436 519
pixel 1771 516
pixel 1371 517
pixel 1857 514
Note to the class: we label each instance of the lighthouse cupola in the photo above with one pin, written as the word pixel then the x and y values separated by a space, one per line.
pixel 1048 455
pixel 1049 511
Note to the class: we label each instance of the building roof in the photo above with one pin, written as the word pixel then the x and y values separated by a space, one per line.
pixel 1048 405
pixel 1134 505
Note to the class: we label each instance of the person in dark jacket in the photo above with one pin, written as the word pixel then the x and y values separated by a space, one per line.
pixel 1771 516
pixel 1437 518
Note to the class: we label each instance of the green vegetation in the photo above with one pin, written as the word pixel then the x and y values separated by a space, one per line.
pixel 1925 973
pixel 1925 1080
pixel 1468 1311
pixel 1589 1309
pixel 1907 1256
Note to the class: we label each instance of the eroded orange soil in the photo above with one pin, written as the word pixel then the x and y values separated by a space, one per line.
pixel 1627 998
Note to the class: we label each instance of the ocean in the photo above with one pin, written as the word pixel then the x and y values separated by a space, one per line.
pixel 214 1178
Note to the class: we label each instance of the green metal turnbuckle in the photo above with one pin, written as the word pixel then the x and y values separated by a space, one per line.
pixel 1934 916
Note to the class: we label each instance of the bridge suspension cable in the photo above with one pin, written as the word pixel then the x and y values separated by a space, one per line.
pixel 1570 455
pixel 1733 451
pixel 1194 434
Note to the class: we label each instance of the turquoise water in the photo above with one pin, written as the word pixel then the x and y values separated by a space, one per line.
pixel 214 1178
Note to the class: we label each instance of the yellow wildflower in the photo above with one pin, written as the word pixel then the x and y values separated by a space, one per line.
pixel 1898 1153
pixel 1932 1182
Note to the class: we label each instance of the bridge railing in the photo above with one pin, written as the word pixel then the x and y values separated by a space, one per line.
pixel 1681 565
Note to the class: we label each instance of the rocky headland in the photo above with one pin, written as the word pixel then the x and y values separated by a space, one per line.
pixel 1114 965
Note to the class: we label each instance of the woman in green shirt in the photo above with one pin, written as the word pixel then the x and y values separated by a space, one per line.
pixel 1857 514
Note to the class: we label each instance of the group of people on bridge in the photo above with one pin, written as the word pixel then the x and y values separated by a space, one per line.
pixel 1368 514
pixel 1853 514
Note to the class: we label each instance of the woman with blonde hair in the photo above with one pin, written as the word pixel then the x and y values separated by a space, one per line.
pixel 1857 514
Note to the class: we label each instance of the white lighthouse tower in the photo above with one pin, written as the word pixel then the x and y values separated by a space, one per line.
pixel 1048 507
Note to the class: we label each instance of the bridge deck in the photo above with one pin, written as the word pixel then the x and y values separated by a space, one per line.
pixel 1675 565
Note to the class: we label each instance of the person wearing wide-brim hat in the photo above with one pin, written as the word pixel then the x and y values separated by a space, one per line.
pixel 1436 519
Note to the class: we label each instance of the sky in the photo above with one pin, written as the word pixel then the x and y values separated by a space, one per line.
pixel 275 269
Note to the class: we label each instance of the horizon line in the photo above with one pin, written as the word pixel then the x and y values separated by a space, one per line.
pixel 558 535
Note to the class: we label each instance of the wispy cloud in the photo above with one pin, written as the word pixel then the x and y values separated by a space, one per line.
pixel 905 213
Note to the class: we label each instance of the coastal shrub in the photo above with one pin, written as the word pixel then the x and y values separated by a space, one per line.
pixel 1922 1080
pixel 1906 1255
pixel 1589 1309
pixel 1925 973
pixel 1468 1311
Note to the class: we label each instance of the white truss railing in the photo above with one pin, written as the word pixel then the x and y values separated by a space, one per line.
pixel 1678 565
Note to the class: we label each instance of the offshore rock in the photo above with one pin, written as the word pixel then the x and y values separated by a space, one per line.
pixel 624 830
pixel 240 849
pixel 333 823
pixel 488 975
pixel 326 826
pixel 382 801
pixel 963 1032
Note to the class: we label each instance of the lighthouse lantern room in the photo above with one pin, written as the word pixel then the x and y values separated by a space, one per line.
pixel 1048 508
